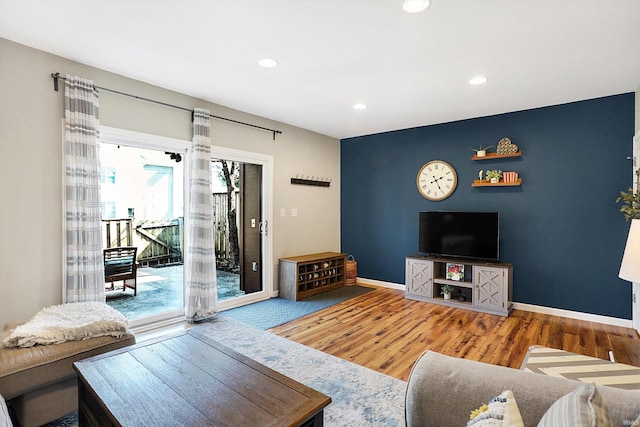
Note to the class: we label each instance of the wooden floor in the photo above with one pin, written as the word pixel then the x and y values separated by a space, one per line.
pixel 386 332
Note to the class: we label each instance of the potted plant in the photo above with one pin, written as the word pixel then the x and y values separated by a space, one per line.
pixel 446 290
pixel 631 200
pixel 482 151
pixel 494 176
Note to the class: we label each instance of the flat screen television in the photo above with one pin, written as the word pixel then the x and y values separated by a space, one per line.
pixel 474 235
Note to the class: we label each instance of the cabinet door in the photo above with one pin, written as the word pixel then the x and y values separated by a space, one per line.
pixel 419 277
pixel 490 285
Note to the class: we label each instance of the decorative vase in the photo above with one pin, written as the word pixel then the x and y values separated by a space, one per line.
pixel 481 153
pixel 494 180
pixel 447 296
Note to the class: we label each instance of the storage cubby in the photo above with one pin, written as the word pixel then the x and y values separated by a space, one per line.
pixel 307 275
pixel 484 286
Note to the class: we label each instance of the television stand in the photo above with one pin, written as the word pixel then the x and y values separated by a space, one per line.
pixel 480 286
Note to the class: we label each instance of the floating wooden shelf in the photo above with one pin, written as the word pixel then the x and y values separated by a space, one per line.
pixel 485 183
pixel 493 156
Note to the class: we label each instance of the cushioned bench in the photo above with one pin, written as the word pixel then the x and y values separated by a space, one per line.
pixel 39 382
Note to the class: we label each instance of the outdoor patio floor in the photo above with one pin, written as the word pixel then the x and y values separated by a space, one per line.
pixel 160 289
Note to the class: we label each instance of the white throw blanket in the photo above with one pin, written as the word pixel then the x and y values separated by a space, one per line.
pixel 69 322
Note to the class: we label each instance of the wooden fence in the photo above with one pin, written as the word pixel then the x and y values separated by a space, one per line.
pixel 221 225
pixel 162 242
pixel 158 242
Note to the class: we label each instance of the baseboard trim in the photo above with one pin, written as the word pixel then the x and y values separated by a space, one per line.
pixel 614 321
pixel 148 327
pixel 373 282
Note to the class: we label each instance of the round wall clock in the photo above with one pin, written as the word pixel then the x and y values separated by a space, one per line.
pixel 436 180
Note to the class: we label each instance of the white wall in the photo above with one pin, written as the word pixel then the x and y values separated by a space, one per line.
pixel 31 177
pixel 638 109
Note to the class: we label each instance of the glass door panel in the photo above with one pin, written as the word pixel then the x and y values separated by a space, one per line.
pixel 142 200
pixel 237 190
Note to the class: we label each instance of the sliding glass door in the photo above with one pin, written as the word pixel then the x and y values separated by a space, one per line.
pixel 144 191
pixel 143 199
pixel 242 208
pixel 239 227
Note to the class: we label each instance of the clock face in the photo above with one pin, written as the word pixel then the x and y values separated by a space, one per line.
pixel 436 180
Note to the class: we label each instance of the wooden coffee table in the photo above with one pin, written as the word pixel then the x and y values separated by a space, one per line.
pixel 190 380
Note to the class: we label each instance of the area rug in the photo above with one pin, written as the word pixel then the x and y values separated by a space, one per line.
pixel 276 311
pixel 360 396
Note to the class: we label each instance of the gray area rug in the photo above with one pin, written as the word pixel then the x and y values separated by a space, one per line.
pixel 360 396
pixel 276 311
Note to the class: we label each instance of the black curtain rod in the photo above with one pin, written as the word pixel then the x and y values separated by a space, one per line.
pixel 57 76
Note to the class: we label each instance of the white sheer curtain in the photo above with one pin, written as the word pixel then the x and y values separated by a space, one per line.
pixel 200 260
pixel 84 270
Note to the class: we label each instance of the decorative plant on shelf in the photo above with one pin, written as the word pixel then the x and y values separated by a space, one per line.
pixel 494 175
pixel 446 290
pixel 631 200
pixel 482 151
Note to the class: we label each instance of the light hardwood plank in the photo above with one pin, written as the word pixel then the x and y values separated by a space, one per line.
pixel 385 332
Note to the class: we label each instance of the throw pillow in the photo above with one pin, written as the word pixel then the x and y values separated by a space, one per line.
pixel 581 407
pixel 501 411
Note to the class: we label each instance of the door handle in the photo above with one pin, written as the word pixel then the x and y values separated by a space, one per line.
pixel 263 228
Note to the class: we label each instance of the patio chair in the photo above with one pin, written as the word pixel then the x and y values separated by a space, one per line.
pixel 120 265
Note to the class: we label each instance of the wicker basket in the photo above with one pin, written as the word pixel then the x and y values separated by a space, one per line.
pixel 351 270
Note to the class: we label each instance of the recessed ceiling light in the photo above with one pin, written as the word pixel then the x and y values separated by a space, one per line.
pixel 268 63
pixel 360 107
pixel 415 6
pixel 478 80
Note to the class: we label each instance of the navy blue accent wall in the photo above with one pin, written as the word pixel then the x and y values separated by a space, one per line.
pixel 561 228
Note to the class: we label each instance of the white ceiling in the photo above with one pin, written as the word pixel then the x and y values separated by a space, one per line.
pixel 410 69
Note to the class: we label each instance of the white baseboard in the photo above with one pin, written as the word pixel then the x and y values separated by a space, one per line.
pixel 614 321
pixel 158 325
pixel 380 283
